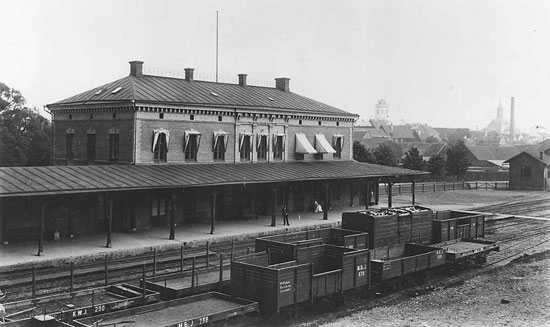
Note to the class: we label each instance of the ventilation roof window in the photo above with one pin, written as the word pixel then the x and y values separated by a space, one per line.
pixel 214 93
pixel 98 92
pixel 116 90
pixel 270 98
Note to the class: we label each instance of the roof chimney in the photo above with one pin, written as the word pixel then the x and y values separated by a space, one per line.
pixel 189 74
pixel 283 84
pixel 136 68
pixel 512 123
pixel 242 79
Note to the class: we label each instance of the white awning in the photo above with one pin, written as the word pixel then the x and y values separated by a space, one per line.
pixel 276 140
pixel 241 140
pixel 303 145
pixel 189 132
pixel 338 138
pixel 156 134
pixel 217 136
pixel 322 145
pixel 259 139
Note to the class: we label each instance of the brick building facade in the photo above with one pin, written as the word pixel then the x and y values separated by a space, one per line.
pixel 186 151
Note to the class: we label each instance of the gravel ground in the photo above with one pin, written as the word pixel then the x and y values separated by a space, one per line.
pixel 517 294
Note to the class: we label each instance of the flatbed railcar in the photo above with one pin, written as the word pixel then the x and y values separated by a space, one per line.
pixel 318 271
pixel 39 320
pixel 458 251
pixel 69 306
pixel 195 310
pixel 283 247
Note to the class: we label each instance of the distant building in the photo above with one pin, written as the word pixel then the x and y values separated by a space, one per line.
pixel 530 171
pixel 381 114
pixel 489 157
pixel 401 133
pixel 499 124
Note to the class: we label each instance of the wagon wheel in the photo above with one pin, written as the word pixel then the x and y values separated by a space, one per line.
pixel 481 259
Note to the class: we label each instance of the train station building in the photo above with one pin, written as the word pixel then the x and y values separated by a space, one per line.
pixel 146 151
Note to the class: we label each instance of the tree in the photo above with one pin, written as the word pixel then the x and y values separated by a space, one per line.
pixel 362 154
pixel 384 155
pixel 413 160
pixel 25 136
pixel 436 166
pixel 457 163
pixel 10 98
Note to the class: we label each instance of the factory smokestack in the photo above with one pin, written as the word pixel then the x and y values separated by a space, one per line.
pixel 512 120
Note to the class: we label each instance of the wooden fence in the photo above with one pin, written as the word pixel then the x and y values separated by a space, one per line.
pixel 406 188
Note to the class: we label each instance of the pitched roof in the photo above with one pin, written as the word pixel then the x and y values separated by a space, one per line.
pixel 24 181
pixel 545 157
pixel 493 152
pixel 169 90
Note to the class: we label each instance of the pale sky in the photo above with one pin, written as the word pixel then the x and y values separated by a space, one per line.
pixel 444 63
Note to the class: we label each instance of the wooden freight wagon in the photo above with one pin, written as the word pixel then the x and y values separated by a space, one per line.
pixel 283 247
pixel 318 271
pixel 195 310
pixel 389 226
pixel 398 260
pixel 453 224
pixel 83 303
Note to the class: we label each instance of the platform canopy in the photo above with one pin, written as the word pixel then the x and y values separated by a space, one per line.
pixel 30 181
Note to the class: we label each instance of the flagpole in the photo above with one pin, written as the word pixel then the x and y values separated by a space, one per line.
pixel 216 46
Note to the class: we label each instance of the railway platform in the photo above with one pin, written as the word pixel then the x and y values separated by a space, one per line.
pixel 86 247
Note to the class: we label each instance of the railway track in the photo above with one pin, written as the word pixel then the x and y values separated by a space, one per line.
pixel 43 281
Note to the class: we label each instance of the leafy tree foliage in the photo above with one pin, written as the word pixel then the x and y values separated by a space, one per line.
pixel 436 166
pixel 457 163
pixel 413 160
pixel 362 154
pixel 384 155
pixel 10 98
pixel 25 135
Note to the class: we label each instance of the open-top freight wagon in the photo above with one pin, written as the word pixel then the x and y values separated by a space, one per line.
pixel 394 262
pixel 410 224
pixel 283 247
pixel 455 224
pixel 195 310
pixel 318 271
pixel 69 306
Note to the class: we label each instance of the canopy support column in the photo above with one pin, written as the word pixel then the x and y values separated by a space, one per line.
pixel 377 191
pixel 109 215
pixel 367 194
pixel 351 194
pixel 412 189
pixel 325 200
pixel 213 211
pixel 274 189
pixel 43 206
pixel 173 196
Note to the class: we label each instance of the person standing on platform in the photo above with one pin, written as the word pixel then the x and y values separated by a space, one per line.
pixel 285 215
